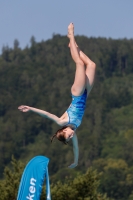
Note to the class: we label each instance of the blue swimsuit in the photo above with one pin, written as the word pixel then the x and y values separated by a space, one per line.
pixel 76 109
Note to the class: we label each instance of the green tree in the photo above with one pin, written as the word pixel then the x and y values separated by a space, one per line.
pixel 116 178
pixel 83 187
pixel 9 185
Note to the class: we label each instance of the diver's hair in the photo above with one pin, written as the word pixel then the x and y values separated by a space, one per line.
pixel 60 136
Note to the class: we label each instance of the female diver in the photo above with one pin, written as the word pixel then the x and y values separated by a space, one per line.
pixel 83 82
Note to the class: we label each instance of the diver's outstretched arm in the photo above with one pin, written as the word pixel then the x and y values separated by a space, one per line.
pixel 75 151
pixel 43 113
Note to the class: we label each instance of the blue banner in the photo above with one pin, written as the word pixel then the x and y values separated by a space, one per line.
pixel 33 179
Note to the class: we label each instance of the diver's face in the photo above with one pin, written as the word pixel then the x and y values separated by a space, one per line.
pixel 68 133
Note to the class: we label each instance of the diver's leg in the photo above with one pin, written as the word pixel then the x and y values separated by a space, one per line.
pixel 90 68
pixel 80 76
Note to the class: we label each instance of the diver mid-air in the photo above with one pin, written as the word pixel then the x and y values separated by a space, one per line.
pixel 83 83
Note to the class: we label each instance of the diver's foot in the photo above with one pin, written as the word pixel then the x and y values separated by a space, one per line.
pixel 70 30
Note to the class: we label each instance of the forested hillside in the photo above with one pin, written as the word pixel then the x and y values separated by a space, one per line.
pixel 41 76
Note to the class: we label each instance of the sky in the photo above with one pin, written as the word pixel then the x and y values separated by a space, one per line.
pixel 42 18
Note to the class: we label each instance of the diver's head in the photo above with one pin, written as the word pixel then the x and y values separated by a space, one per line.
pixel 64 134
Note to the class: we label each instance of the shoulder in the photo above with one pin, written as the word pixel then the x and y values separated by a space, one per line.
pixel 64 116
pixel 63 120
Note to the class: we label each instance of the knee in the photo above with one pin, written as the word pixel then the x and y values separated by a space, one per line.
pixel 91 64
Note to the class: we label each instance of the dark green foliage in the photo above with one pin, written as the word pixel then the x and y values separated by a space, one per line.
pixel 116 178
pixel 83 187
pixel 9 185
pixel 41 76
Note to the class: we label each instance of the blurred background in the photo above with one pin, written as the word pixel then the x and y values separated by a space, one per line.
pixel 21 20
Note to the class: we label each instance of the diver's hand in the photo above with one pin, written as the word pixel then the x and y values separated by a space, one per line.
pixel 73 165
pixel 23 108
